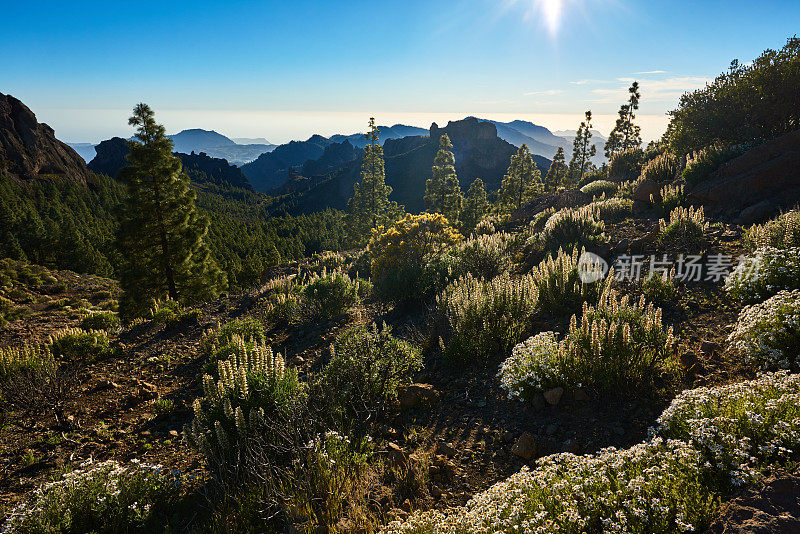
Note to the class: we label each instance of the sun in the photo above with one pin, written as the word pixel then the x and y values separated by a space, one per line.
pixel 551 10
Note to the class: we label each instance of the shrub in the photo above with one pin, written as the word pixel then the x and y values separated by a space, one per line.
pixel 660 288
pixel 252 387
pixel 767 335
pixel 234 337
pixel 617 346
pixel 101 321
pixel 592 176
pixel 700 164
pixel 283 301
pixel 537 223
pixel 26 359
pixel 9 311
pixel 366 367
pixel 488 225
pixel 669 198
pixel 401 252
pixel 626 165
pixel 105 498
pixel 570 229
pixel 684 231
pixel 486 256
pixel 559 285
pixel 599 188
pixel 78 345
pixel 651 487
pixel 781 232
pixel 764 274
pixel 330 295
pixel 609 210
pixel 485 318
pixel 172 313
pixel 662 169
pixel 739 429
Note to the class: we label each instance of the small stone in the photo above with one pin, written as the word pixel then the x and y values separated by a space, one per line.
pixel 709 347
pixel 525 447
pixel 581 395
pixel 416 395
pixel 397 456
pixel 297 361
pixel 553 396
pixel 436 493
pixel 445 449
pixel 173 433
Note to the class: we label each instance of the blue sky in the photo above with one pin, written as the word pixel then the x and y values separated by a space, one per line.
pixel 284 70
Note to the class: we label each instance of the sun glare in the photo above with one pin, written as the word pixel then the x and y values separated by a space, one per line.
pixel 551 10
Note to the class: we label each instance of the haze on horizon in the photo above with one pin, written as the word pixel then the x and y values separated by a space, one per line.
pixel 287 70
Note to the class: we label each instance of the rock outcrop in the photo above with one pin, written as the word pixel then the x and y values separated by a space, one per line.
pixel 29 148
pixel 767 176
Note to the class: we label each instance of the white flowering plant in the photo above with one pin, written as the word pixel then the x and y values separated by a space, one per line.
pixel 653 487
pixel 572 228
pixel 683 230
pixel 609 209
pixel 781 232
pixel 560 287
pixel 768 271
pixel 105 497
pixel 617 344
pixel 484 319
pixel 487 255
pixel 739 429
pixel 767 335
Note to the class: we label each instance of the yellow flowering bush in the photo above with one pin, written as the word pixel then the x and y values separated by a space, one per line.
pixel 402 252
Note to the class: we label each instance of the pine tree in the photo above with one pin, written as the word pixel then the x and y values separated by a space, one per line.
pixel 522 182
pixel 582 151
pixel 557 172
pixel 625 134
pixel 369 207
pixel 442 190
pixel 475 206
pixel 161 235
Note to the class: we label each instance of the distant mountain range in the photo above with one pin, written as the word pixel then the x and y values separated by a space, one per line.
pixel 198 140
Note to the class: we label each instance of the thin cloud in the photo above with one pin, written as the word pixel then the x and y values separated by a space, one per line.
pixel 664 90
pixel 652 72
pixel 549 92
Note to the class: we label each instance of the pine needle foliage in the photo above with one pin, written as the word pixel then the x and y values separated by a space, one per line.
pixel 161 234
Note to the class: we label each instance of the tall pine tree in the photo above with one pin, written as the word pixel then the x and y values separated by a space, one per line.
pixel 475 206
pixel 522 182
pixel 582 151
pixel 369 207
pixel 556 174
pixel 625 134
pixel 161 235
pixel 442 190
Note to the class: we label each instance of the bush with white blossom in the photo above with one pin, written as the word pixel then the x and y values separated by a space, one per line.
pixel 651 487
pixel 104 498
pixel 765 273
pixel 739 428
pixel 767 335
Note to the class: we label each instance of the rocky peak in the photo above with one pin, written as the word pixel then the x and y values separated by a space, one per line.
pixel 467 129
pixel 29 149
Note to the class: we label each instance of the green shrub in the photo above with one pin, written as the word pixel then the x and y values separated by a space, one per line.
pixel 538 221
pixel 700 164
pixel 101 321
pixel 234 337
pixel 609 210
pixel 652 487
pixel 781 232
pixel 572 228
pixel 684 230
pixel 592 176
pixel 402 252
pixel 626 165
pixel 617 346
pixel 25 359
pixel 765 273
pixel 330 295
pixel 484 319
pixel 487 255
pixel 669 198
pixel 74 344
pixel 740 429
pixel 367 365
pixel 9 311
pixel 104 498
pixel 660 288
pixel 559 284
pixel 251 388
pixel 767 335
pixel 599 188
pixel 662 169
pixel 172 313
pixel 490 224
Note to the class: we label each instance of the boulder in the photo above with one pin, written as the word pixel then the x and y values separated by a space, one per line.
pixel 553 396
pixel 396 455
pixel 525 447
pixel 417 395
pixel 769 172
pixel 770 507
pixel 757 213
pixel 644 189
